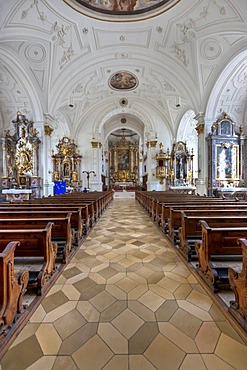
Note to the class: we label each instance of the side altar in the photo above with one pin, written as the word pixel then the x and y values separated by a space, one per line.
pixel 20 177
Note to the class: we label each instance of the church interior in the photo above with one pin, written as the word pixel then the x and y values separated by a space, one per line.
pixel 123 184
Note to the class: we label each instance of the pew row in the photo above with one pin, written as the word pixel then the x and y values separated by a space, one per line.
pixel 61 230
pixel 34 243
pixel 191 231
pixel 217 243
pixel 12 288
pixel 238 283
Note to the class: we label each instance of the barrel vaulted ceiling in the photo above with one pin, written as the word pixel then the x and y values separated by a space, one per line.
pixel 61 62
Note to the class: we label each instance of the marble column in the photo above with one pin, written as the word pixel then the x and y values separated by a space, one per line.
pixel 201 181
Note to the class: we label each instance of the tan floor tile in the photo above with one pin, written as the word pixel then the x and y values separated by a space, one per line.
pixel 113 311
pixel 38 315
pixel 102 301
pixel 192 280
pixel 28 331
pixel 54 289
pixel 137 292
pixel 169 284
pixel 45 362
pixel 88 311
pixel 151 300
pixel 119 362
pixel 126 284
pixel 161 291
pixel 71 292
pixel 100 267
pixel 138 362
pixel 169 266
pixel 213 362
pixel 207 337
pixel 63 363
pixel 136 277
pixel 227 329
pixel 143 312
pixel 93 355
pixel 200 300
pixel 162 352
pixel 76 340
pixel 48 339
pixel 194 310
pixel 116 278
pixel 60 311
pixel 76 278
pixel 113 338
pixel 183 341
pixel 193 362
pixel 69 323
pixel 171 275
pixel 183 291
pixel 232 352
pixel 116 292
pixel 127 323
pixel 144 272
pixel 142 338
pixel 97 278
pixel 187 323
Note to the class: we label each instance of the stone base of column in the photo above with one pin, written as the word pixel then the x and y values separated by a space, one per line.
pixel 201 187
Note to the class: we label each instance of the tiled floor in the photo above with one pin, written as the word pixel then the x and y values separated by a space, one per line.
pixel 126 302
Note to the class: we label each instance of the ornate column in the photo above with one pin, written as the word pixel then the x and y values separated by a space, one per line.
pixel 4 147
pixel 152 182
pixel 201 181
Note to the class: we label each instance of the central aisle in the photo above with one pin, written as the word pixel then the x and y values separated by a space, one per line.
pixel 126 302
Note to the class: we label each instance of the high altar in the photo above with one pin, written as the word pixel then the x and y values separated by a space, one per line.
pixel 124 163
pixel 20 161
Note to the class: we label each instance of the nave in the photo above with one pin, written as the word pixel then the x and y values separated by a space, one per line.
pixel 126 301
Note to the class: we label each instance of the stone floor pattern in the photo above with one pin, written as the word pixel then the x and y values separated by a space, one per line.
pixel 126 302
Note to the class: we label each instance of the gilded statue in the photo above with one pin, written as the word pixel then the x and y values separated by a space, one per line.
pixel 23 157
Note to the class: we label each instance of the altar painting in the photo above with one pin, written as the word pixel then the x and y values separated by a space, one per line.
pixel 123 159
pixel 227 162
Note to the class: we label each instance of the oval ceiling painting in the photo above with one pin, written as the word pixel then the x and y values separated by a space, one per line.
pixel 123 81
pixel 121 8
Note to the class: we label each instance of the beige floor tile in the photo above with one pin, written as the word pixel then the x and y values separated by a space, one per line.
pixel 48 339
pixel 63 363
pixel 93 355
pixel 207 337
pixel 69 323
pixel 164 354
pixel 193 362
pixel 127 323
pixel 45 362
pixel 145 272
pixel 71 292
pixel 138 362
pixel 183 341
pixel 60 311
pixel 136 277
pixel 116 292
pixel 151 300
pixel 143 312
pixel 28 331
pixel 231 351
pixel 213 362
pixel 194 310
pixel 102 301
pixel 169 284
pixel 116 278
pixel 138 291
pixel 183 291
pixel 119 362
pixel 38 315
pixel 161 291
pixel 187 323
pixel 171 275
pixel 113 338
pixel 200 300
pixel 88 311
pixel 97 278
pixel 126 284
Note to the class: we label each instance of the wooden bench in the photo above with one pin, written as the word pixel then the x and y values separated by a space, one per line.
pixel 218 242
pixel 12 288
pixel 175 219
pixel 34 243
pixel 48 212
pixel 191 231
pixel 238 283
pixel 61 230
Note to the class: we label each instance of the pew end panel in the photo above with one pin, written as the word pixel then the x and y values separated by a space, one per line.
pixel 238 283
pixel 12 288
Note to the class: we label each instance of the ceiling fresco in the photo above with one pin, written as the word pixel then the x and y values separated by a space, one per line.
pixel 122 7
pixel 123 81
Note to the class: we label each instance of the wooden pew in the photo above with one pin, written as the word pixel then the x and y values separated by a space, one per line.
pixel 61 230
pixel 47 212
pixel 174 221
pixel 218 242
pixel 12 288
pixel 191 231
pixel 238 283
pixel 34 243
